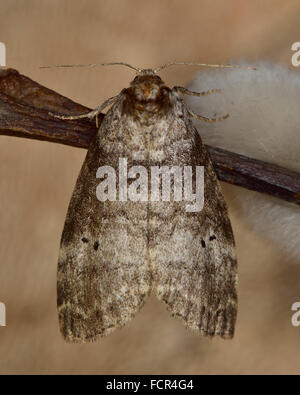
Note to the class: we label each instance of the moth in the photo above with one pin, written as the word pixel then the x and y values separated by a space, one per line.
pixel 113 253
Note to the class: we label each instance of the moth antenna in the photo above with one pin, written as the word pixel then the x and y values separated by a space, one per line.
pixel 230 66
pixel 93 65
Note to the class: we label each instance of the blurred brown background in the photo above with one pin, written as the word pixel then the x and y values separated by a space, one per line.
pixel 37 178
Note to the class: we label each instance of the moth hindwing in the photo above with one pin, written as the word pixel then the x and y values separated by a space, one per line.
pixel 114 253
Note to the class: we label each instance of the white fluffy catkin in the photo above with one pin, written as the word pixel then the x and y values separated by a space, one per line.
pixel 264 123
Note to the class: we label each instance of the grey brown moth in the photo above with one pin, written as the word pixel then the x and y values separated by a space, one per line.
pixel 114 253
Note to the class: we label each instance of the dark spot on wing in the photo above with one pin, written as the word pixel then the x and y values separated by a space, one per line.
pixel 96 245
pixel 85 240
pixel 212 238
pixel 203 243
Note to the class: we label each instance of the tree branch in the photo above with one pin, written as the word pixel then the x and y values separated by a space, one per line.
pixel 24 107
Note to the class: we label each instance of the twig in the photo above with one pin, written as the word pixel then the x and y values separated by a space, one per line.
pixel 256 175
pixel 24 107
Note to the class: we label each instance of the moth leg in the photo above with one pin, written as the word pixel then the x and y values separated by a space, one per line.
pixel 91 114
pixel 185 91
pixel 201 118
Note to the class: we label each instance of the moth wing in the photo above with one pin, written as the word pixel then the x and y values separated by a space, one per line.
pixel 99 288
pixel 193 253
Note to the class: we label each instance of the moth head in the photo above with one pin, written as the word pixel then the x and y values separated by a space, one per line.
pixel 146 85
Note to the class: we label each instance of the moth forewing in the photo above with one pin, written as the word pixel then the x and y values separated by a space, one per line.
pixel 103 274
pixel 192 253
pixel 114 252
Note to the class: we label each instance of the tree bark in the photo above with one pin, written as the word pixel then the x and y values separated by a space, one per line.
pixel 24 107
